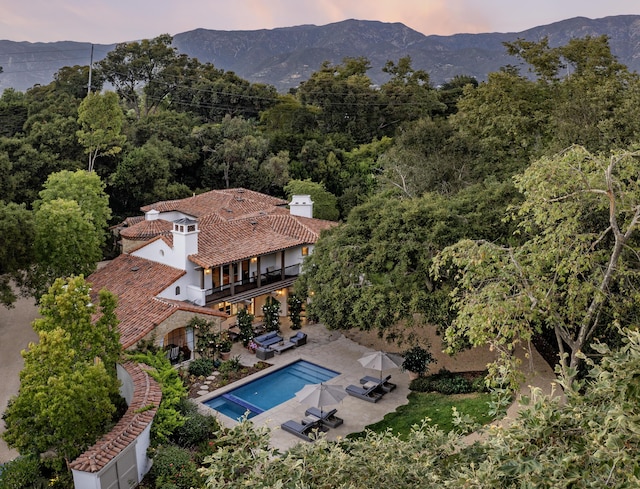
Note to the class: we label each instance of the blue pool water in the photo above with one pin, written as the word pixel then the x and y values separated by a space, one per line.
pixel 266 392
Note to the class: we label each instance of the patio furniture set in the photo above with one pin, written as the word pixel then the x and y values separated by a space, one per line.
pixel 317 421
pixel 272 343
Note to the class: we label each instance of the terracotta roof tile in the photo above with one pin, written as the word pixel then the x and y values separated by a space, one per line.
pixel 137 282
pixel 144 404
pixel 226 204
pixel 244 238
pixel 147 229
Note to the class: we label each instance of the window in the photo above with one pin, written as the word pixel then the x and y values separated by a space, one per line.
pixel 305 250
pixel 177 290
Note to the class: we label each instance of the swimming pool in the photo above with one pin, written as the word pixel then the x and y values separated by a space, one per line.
pixel 270 390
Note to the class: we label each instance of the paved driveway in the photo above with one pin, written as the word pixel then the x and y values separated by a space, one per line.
pixel 15 335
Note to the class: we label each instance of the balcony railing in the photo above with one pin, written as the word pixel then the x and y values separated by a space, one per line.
pixel 267 277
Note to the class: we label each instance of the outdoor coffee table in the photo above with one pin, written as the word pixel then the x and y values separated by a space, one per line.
pixel 282 346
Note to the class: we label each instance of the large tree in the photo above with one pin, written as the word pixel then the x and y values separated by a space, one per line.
pixel 349 103
pixel 100 118
pixel 84 187
pixel 68 384
pixel 66 242
pixel 143 72
pixel 373 270
pixel 573 268
pixel 17 233
pixel 325 204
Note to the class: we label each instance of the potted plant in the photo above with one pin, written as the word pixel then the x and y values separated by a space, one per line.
pixel 205 337
pixel 244 320
pixel 416 361
pixel 224 344
pixel 295 311
pixel 271 311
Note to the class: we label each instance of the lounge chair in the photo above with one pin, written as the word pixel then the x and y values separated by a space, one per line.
pixel 299 339
pixel 366 393
pixel 383 385
pixel 327 418
pixel 302 430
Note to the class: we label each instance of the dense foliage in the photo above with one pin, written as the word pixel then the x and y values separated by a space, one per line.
pixel 410 170
pixel 590 441
pixel 68 386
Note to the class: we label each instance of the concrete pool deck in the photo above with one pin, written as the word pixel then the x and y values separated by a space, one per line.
pixel 333 350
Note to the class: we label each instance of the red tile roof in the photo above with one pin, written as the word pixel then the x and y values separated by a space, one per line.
pixel 147 229
pixel 245 238
pixel 236 224
pixel 137 282
pixel 144 404
pixel 226 203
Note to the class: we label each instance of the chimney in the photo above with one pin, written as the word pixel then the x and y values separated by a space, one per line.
pixel 185 241
pixel 151 215
pixel 301 205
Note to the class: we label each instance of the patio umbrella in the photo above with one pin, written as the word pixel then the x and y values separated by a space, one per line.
pixel 378 360
pixel 320 395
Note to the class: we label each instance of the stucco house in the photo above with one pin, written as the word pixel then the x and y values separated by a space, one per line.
pixel 206 255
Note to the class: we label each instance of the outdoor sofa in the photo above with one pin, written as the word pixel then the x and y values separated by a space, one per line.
pixel 268 339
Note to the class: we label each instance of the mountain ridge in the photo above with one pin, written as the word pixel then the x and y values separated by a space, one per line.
pixel 285 56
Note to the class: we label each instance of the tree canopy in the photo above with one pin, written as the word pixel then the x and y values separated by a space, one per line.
pixel 68 385
pixel 590 441
pixel 573 268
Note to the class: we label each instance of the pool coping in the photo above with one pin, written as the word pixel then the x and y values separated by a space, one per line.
pixel 250 378
pixel 329 349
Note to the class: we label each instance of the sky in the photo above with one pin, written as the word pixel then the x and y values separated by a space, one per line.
pixel 113 21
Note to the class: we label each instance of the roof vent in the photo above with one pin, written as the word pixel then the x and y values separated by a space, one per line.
pixel 135 269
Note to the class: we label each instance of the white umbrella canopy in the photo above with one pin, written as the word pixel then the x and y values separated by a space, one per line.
pixel 320 395
pixel 378 360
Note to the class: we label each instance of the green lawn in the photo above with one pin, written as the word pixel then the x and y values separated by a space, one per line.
pixel 435 406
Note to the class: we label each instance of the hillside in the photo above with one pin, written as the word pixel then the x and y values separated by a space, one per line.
pixel 286 56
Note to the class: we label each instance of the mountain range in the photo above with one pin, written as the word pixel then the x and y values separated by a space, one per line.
pixel 284 57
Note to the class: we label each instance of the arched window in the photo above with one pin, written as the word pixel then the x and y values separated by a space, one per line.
pixel 177 290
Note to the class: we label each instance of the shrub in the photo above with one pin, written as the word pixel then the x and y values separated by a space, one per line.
pixel 167 417
pixel 479 384
pixel 295 311
pixel 197 427
pixel 271 311
pixel 22 472
pixel 201 367
pixel 417 360
pixel 452 384
pixel 173 467
pixel 447 382
pixel 421 384
pixel 231 365
pixel 244 320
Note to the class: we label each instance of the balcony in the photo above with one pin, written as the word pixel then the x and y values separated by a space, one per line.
pixel 250 287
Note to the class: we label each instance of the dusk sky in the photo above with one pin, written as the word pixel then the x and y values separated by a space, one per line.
pixel 112 21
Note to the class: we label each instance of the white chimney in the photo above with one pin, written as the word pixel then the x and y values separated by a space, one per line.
pixel 301 205
pixel 185 241
pixel 152 215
